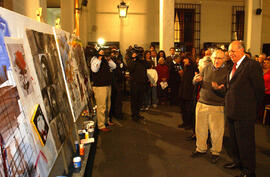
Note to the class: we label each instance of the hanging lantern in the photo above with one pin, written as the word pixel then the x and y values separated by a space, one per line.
pixel 122 9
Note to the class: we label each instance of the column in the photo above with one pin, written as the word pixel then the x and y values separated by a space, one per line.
pixel 67 15
pixel 166 25
pixel 253 26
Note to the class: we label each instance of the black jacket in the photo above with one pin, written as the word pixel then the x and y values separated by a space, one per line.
pixel 244 91
pixel 174 75
pixel 138 70
pixel 104 76
pixel 119 71
pixel 186 87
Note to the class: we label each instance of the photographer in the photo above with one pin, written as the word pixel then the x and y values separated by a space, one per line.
pixel 137 67
pixel 118 80
pixel 102 67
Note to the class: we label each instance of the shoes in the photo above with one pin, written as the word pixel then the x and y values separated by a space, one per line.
pixel 105 129
pixel 154 105
pixel 147 108
pixel 191 138
pixel 232 165
pixel 196 154
pixel 246 173
pixel 214 159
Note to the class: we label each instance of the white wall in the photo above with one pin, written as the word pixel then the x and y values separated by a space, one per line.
pixel 67 15
pixel 100 19
pixel 216 19
pixel 140 27
pixel 266 22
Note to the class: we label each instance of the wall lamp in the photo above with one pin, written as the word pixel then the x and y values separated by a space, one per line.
pixel 122 9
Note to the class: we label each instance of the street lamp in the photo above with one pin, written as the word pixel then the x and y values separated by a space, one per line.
pixel 122 9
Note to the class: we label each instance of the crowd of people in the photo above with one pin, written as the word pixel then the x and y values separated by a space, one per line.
pixel 220 86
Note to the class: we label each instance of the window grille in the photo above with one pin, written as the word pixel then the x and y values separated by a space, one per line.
pixel 187 14
pixel 238 22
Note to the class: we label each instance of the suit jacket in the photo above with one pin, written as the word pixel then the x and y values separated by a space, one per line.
pixel 244 91
pixel 169 59
pixel 174 78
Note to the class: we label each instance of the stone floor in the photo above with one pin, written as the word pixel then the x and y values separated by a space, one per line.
pixel 157 148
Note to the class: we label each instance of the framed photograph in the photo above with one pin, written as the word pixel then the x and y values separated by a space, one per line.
pixel 40 125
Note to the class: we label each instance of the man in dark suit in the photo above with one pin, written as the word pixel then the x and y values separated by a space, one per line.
pixel 175 71
pixel 170 58
pixel 245 89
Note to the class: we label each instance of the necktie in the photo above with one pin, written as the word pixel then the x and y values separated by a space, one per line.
pixel 234 69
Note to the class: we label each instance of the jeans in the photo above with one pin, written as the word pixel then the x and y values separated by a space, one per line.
pixel 150 96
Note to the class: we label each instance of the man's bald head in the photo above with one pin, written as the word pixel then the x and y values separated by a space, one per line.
pixel 236 51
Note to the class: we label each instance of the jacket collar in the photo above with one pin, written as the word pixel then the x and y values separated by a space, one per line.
pixel 238 70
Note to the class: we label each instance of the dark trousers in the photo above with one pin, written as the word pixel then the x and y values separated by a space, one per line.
pixel 187 112
pixel 162 94
pixel 174 95
pixel 116 101
pixel 242 134
pixel 136 97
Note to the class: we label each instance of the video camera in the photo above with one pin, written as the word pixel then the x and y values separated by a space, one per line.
pixel 136 49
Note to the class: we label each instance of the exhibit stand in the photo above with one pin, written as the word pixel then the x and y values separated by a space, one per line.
pixel 45 99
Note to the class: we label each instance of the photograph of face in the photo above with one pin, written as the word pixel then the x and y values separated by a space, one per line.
pixel 40 125
pixel 20 67
pixel 39 39
pixel 61 128
pixel 53 100
pixel 45 69
pixel 47 104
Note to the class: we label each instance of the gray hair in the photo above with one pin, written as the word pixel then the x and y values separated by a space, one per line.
pixel 214 54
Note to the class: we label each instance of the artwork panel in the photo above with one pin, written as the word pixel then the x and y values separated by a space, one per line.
pixel 40 125
pixel 75 70
pixel 20 67
pixel 51 81
pixel 20 152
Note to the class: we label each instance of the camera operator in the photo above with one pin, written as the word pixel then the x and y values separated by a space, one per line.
pixel 137 67
pixel 102 67
pixel 118 80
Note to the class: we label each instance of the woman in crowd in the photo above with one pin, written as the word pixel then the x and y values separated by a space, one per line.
pixel 186 92
pixel 163 77
pixel 266 77
pixel 160 54
pixel 148 94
